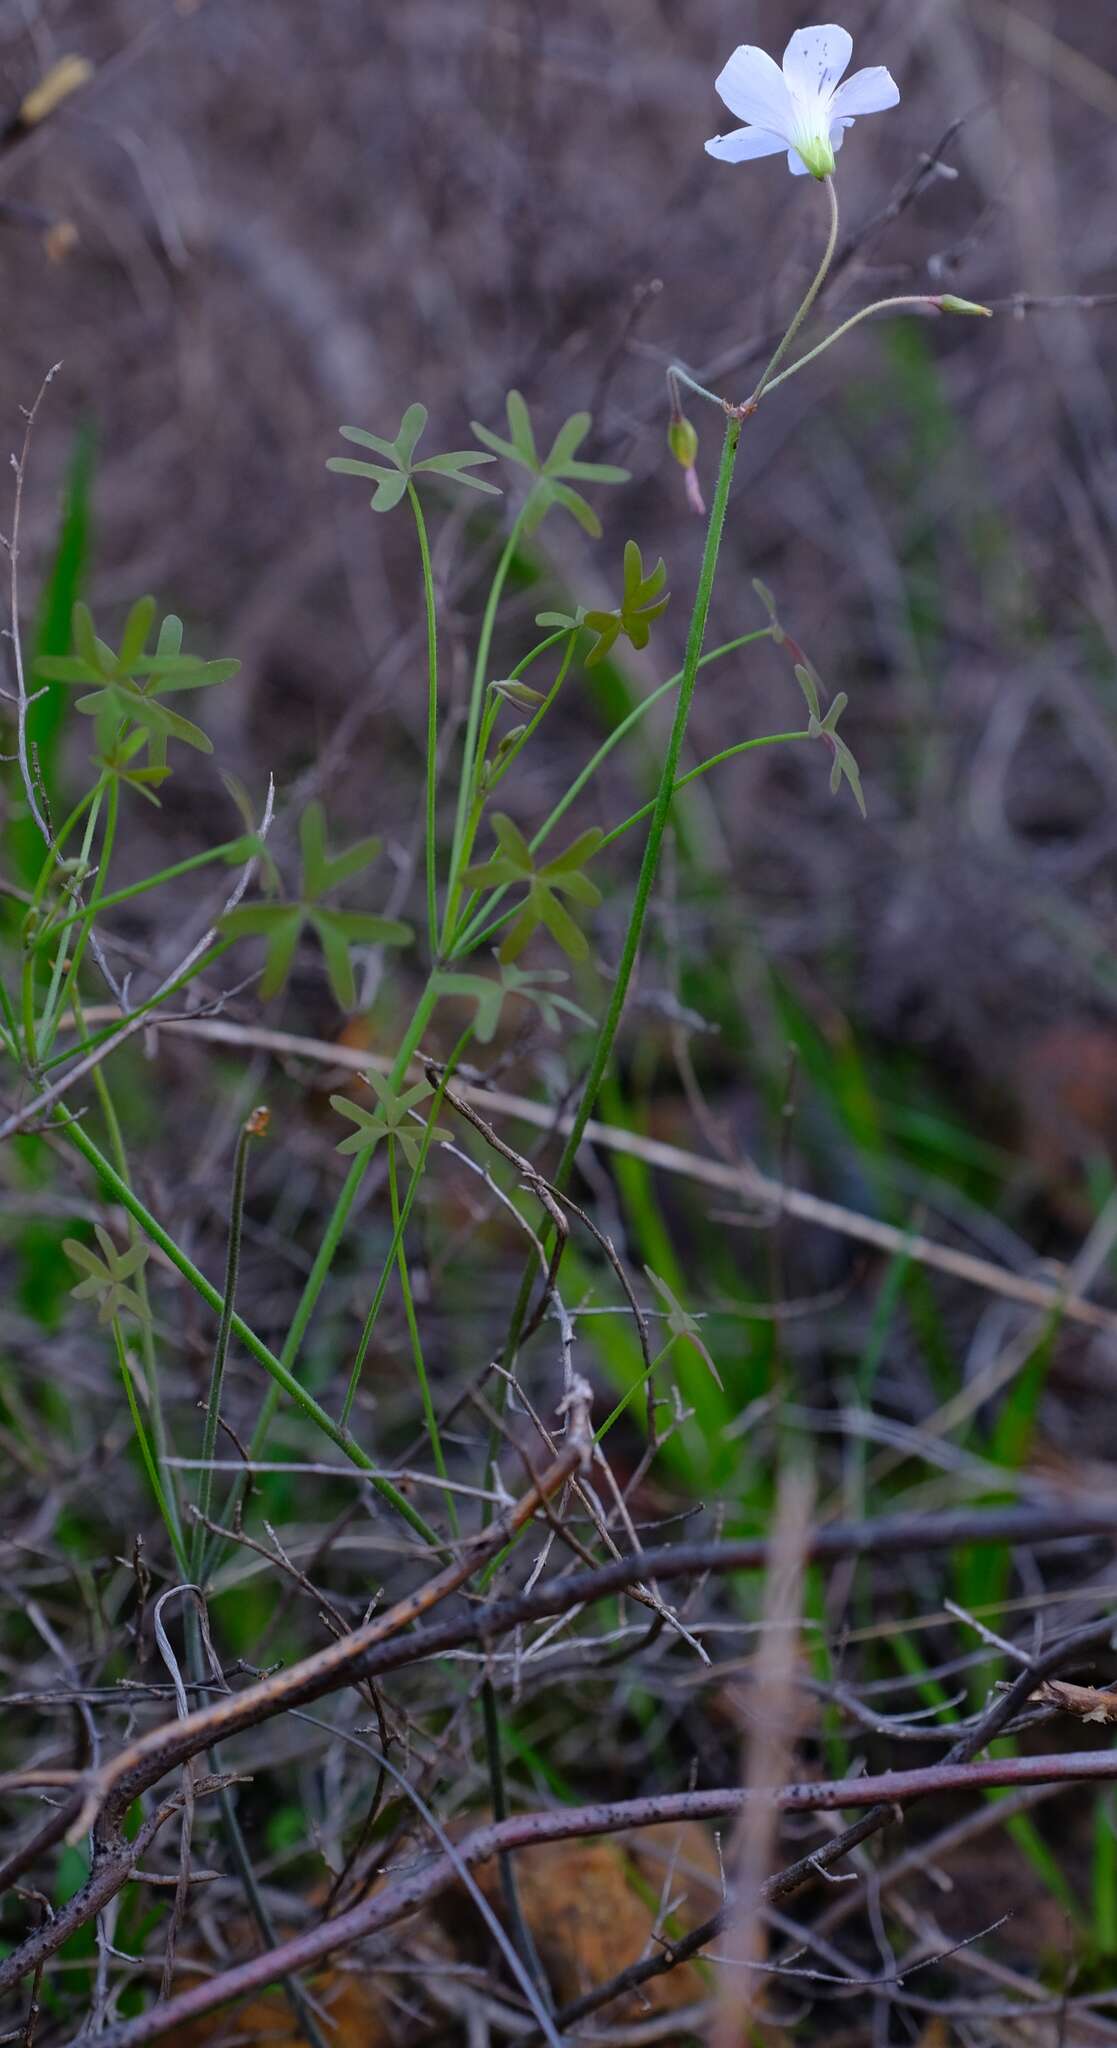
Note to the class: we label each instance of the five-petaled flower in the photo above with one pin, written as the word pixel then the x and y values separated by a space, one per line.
pixel 803 108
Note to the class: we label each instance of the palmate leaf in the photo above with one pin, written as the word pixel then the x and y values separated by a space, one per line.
pixel 392 1118
pixel 552 474
pixel 106 1278
pixel 281 925
pixel 562 875
pixel 123 688
pixel 489 993
pixel 399 455
pixel 640 605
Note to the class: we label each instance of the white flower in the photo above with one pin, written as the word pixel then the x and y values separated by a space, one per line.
pixel 802 108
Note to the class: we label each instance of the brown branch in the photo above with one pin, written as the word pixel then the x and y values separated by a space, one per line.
pixel 377 1648
pixel 382 1646
pixel 524 1831
pixel 107 1793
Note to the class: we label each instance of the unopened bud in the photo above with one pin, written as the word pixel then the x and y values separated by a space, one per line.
pixel 682 439
pixel 947 303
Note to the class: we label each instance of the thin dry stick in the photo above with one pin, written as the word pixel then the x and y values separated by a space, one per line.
pixel 745 1181
pixel 147 1759
pixel 108 1791
pixel 883 1794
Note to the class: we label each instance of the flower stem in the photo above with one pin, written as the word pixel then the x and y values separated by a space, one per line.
pixel 249 1129
pixel 432 717
pixel 399 1227
pixel 652 845
pixel 878 306
pixel 480 666
pixel 812 294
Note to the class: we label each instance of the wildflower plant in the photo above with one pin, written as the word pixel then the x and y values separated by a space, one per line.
pixel 493 912
pixel 483 910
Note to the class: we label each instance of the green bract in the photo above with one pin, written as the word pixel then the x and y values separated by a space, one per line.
pixel 554 473
pixel 392 482
pixel 282 924
pixel 515 863
pixel 636 611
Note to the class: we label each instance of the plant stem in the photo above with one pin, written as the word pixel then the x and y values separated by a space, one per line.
pixel 75 1132
pixel 418 1360
pixel 652 845
pixel 147 1454
pixel 878 306
pixel 472 933
pixel 432 718
pixel 171 874
pixel 251 1127
pixel 400 1226
pixel 812 293
pixel 768 739
pixel 480 666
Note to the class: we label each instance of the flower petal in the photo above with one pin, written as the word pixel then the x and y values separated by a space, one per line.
pixel 744 144
pixel 868 92
pixel 753 87
pixel 814 60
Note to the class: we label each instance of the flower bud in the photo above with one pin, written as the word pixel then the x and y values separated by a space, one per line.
pixel 682 439
pixel 947 303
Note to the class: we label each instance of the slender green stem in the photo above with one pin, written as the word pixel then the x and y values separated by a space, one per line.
pixel 120 1026
pixel 432 718
pixel 163 1445
pixel 75 1132
pixel 768 739
pixel 471 934
pixel 480 677
pixel 418 1360
pixel 634 1389
pixel 855 319
pixel 813 290
pixel 677 375
pixel 541 710
pixel 482 796
pixel 150 1465
pixel 48 1026
pixel 604 1046
pixel 171 874
pixel 11 1022
pixel 401 1225
pixel 41 1041
pixel 520 1931
pixel 58 842
pixel 252 1127
pixel 284 1379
